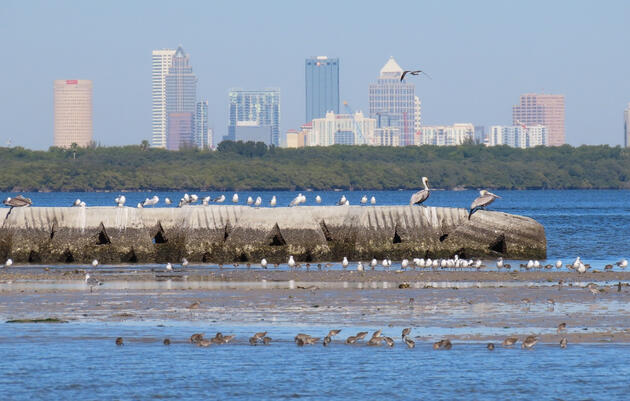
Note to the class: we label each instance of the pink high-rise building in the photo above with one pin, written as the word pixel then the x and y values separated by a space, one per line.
pixel 542 109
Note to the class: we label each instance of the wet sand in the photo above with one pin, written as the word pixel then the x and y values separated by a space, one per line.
pixel 461 305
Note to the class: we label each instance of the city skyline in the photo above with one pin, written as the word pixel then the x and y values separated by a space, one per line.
pixel 465 86
pixel 73 112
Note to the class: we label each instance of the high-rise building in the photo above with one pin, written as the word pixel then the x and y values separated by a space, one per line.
pixel 252 131
pixel 542 109
pixel 261 107
pixel 180 128
pixel 392 102
pixel 72 112
pixel 417 119
pixel 447 135
pixel 342 129
pixel 518 136
pixel 626 126
pixel 181 96
pixel 161 62
pixel 202 137
pixel 322 87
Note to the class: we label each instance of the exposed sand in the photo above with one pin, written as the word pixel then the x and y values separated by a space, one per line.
pixel 467 306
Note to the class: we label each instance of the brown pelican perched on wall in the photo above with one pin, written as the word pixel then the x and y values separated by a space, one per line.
pixel 421 196
pixel 18 201
pixel 484 199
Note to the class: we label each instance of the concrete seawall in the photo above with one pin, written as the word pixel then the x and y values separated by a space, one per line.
pixel 224 234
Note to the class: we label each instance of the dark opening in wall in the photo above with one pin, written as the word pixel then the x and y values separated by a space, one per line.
pixel 396 239
pixel 68 257
pixel 443 237
pixel 499 245
pixel 131 257
pixel 103 238
pixel 160 236
pixel 227 230
pixel 275 237
pixel 33 257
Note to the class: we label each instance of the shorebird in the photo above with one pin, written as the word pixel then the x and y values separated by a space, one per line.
pixel 351 340
pixel 490 346
pixel 443 344
pixel 622 263
pixel 166 341
pixel 558 264
pixel 235 198
pixel 195 338
pixel 404 263
pixel 409 342
pixel 120 200
pixel 326 341
pixel 508 342
pixel 94 263
pixel 563 342
pixel 296 201
pixel 273 201
pixel 169 267
pixel 344 262
pixel 389 341
pixel 119 341
pixel 219 199
pixel 194 305
pixel 334 332
pixel 184 262
pixel 373 263
pixel 91 281
pixel 422 195
pixel 266 340
pixel 258 201
pixel 167 201
pixel 263 263
pixel 151 202
pixel 8 262
pixel 484 199
pixel 206 200
pixel 375 341
pixel 291 262
pixel 204 343
pixel 360 267
pixel 372 201
pixel 364 199
pixel 361 335
pixel 412 72
pixel 76 203
pixel 406 332
pixel 318 199
pixel 250 200
pixel 529 342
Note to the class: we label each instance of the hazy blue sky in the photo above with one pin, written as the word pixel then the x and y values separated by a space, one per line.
pixel 481 55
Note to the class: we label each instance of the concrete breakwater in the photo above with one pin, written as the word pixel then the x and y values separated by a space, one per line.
pixel 222 234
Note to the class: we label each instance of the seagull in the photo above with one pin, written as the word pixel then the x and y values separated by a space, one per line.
pixel 77 203
pixel 421 196
pixel 91 281
pixel 8 263
pixel 186 198
pixel 291 262
pixel 82 204
pixel 205 201
pixel 558 264
pixel 263 263
pixel 500 263
pixel 167 201
pixel 360 267
pixel 273 201
pixel 373 263
pixel 318 199
pixel 364 200
pixel 220 199
pixel 235 198
pixel 258 201
pixel 302 198
pixel 169 267
pixel 484 199
pixel 193 198
pixel 372 201
pixel 120 200
pixel 184 262
pixel 250 200
pixel 622 263
pixel 415 72
pixel 296 201
pixel 404 263
pixel 342 201
pixel 139 206
pixel 94 263
pixel 151 202
pixel 344 262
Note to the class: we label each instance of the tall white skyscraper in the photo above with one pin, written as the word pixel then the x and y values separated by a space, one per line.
pixel 161 62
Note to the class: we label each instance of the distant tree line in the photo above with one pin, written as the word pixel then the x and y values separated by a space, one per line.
pixel 256 166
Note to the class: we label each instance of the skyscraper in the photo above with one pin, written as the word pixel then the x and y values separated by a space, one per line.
pixel 181 97
pixel 392 102
pixel 161 62
pixel 626 126
pixel 72 112
pixel 322 87
pixel 202 131
pixel 255 108
pixel 542 109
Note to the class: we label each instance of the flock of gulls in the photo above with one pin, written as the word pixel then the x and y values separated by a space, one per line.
pixel 376 339
pixel 484 199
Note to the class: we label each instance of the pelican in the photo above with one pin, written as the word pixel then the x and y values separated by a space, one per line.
pixel 250 200
pixel 273 201
pixel 342 201
pixel 205 201
pixel 344 262
pixel 364 200
pixel 372 201
pixel 120 200
pixel 91 281
pixel 360 267
pixel 235 198
pixel 622 263
pixel 263 263
pixel 18 201
pixel 484 199
pixel 318 199
pixel 77 203
pixel 167 201
pixel 220 199
pixel 558 264
pixel 94 263
pixel 421 196
pixel 291 262
pixel 169 267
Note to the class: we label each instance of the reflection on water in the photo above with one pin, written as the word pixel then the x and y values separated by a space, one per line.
pixel 80 361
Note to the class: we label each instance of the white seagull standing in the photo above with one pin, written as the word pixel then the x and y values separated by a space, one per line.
pixel 342 201
pixel 205 201
pixel 296 201
pixel 404 263
pixel 151 202
pixel 622 263
pixel 360 267
pixel 344 262
pixel 120 201
pixel 558 264
pixel 258 201
pixel 263 263
pixel 364 200
pixel 235 198
pixel 8 263
pixel 373 263
pixel 184 262
pixel 94 263
pixel 372 201
pixel 318 199
pixel 273 201
pixel 77 203
pixel 167 201
pixel 220 199
pixel 291 262
pixel 250 200
pixel 169 267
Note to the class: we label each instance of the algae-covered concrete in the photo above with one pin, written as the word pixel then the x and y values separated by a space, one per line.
pixel 241 234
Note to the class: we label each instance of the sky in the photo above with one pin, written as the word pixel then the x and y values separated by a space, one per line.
pixel 481 55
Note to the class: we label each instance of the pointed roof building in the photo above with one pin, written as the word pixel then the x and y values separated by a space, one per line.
pixel 391 70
